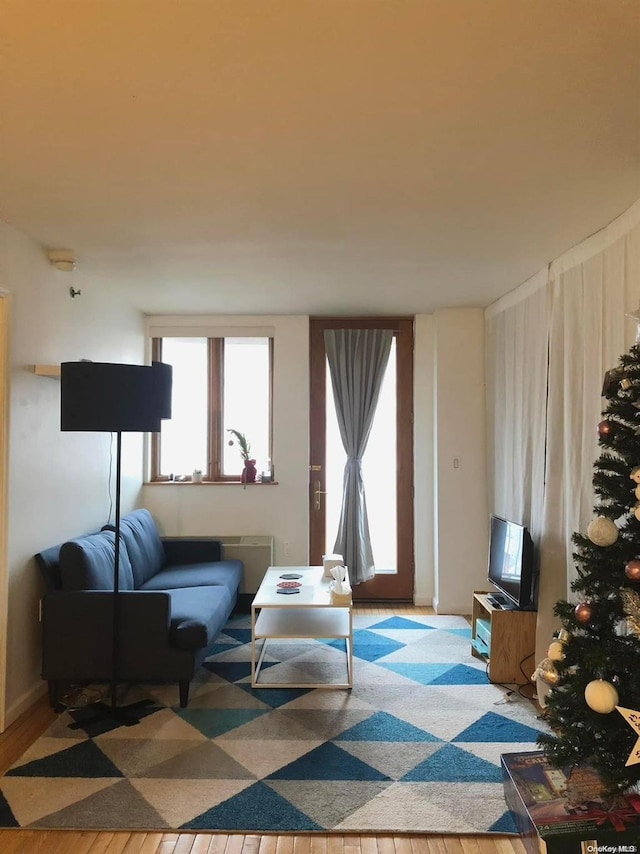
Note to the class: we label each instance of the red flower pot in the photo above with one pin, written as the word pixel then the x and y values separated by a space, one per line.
pixel 249 472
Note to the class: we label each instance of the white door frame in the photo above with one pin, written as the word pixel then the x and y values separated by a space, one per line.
pixel 4 486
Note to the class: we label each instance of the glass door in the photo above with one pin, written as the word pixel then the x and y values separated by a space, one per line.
pixel 387 463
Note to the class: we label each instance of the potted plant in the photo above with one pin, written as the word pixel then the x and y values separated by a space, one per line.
pixel 249 471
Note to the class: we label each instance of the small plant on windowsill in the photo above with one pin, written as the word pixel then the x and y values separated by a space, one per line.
pixel 241 439
pixel 249 471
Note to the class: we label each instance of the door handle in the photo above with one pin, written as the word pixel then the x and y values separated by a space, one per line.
pixel 317 492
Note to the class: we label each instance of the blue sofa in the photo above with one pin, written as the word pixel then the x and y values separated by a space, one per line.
pixel 176 595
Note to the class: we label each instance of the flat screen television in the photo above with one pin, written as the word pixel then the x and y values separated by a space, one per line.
pixel 511 564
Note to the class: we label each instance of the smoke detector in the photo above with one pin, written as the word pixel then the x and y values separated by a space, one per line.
pixel 62 259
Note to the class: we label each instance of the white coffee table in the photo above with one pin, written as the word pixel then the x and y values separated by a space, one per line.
pixel 307 614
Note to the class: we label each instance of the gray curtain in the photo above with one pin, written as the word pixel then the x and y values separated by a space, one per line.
pixel 357 362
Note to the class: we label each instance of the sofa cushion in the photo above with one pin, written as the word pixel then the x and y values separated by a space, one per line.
pixel 198 614
pixel 87 563
pixel 144 545
pixel 48 561
pixel 225 573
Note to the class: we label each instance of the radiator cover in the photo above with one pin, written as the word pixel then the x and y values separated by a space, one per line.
pixel 256 553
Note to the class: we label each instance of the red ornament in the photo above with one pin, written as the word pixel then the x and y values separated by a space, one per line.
pixel 606 429
pixel 632 570
pixel 584 612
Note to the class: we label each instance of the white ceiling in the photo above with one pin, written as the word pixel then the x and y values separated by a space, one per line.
pixel 316 156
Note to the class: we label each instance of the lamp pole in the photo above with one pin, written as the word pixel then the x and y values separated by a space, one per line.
pixel 115 647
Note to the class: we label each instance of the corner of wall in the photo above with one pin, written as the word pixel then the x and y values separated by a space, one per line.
pixel 460 470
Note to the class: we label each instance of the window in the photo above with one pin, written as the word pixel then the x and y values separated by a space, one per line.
pixel 219 384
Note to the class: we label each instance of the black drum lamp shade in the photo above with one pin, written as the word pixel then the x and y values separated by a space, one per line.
pixel 106 397
pixel 163 379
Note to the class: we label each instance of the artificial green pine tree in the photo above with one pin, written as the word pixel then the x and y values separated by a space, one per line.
pixel 600 639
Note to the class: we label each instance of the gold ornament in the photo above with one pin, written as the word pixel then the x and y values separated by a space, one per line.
pixel 602 531
pixel 611 381
pixel 601 696
pixel 556 651
pixel 635 474
pixel 631 605
pixel 546 670
pixel 636 510
pixel 564 636
pixel 637 492
pixel 633 719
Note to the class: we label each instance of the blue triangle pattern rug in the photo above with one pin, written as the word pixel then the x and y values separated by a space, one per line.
pixel 413 747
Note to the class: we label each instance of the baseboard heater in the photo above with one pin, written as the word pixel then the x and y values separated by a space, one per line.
pixel 256 553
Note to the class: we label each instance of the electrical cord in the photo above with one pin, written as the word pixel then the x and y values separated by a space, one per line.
pixel 110 476
pixel 528 678
pixel 509 690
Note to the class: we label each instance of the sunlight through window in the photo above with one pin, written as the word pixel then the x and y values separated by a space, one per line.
pixel 246 399
pixel 378 471
pixel 184 436
pixel 218 384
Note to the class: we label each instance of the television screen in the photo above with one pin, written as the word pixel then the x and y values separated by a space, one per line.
pixel 511 563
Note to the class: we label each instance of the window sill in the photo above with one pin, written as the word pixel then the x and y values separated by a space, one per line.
pixel 207 483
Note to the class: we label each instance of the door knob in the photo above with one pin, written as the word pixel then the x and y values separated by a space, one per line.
pixel 317 492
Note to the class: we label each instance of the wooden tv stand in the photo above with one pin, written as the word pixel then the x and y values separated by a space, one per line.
pixel 504 639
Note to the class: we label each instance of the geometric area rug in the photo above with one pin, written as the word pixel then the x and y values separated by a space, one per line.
pixel 413 747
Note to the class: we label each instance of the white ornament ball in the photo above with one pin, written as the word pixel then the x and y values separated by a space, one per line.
pixel 556 651
pixel 601 696
pixel 602 531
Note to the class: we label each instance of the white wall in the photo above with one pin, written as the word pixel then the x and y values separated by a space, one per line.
pixel 280 510
pixel 58 482
pixel 461 508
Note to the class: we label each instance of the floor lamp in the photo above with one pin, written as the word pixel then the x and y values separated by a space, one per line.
pixel 107 397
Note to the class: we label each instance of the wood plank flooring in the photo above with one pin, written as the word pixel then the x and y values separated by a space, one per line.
pixel 15 740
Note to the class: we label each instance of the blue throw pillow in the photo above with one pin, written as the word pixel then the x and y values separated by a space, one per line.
pixel 87 563
pixel 146 552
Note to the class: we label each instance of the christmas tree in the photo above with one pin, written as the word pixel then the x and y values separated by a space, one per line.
pixel 593 664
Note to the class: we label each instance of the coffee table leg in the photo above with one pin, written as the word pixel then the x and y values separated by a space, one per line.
pixel 254 680
pixel 253 646
pixel 349 649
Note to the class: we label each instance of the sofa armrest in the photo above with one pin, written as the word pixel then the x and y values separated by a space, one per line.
pixel 189 550
pixel 77 628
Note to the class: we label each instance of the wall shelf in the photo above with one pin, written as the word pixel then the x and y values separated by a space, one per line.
pixel 52 371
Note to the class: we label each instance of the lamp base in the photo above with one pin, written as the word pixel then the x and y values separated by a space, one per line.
pixel 102 717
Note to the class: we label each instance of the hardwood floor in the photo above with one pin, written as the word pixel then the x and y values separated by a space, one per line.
pixel 15 740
